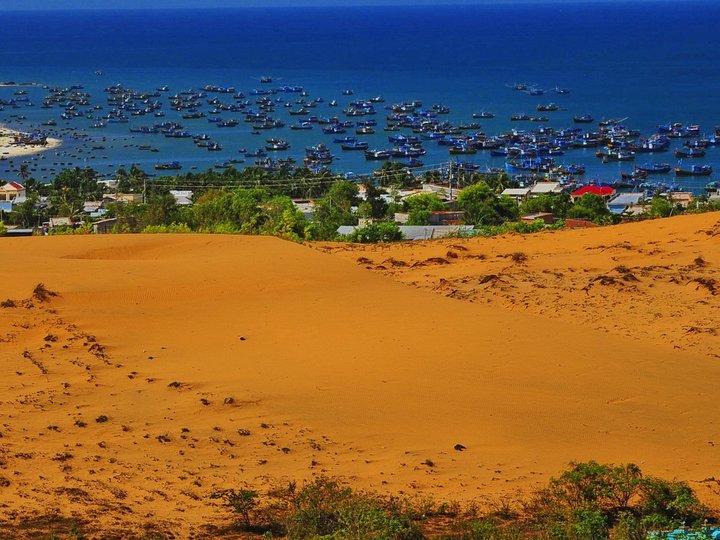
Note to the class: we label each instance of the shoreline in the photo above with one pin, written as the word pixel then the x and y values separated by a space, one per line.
pixel 10 150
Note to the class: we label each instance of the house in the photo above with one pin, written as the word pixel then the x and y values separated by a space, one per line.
pixel 518 194
pixel 401 217
pixel 105 226
pixel 446 217
pixel 420 232
pixel 601 191
pixel 541 188
pixel 683 198
pixel 625 203
pixel 306 207
pixel 13 192
pixel 60 222
pixel 182 197
pixel 546 217
pixel 444 192
pixel 406 193
pixel 124 197
pixel 579 224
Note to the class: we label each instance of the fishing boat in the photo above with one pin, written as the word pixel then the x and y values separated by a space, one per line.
pixel 583 119
pixel 411 163
pixel 611 122
pixel 550 107
pixel 654 168
pixel 615 155
pixel 375 155
pixel 462 149
pixel 573 170
pixel 354 145
pixel 690 153
pixel 483 115
pixel 695 170
pixel 168 166
pixel 520 117
pixel 276 145
pixel 193 115
pixel 712 187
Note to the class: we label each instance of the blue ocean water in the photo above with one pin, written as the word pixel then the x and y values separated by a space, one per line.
pixel 652 62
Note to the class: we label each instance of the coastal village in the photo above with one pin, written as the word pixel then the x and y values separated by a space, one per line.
pixel 439 223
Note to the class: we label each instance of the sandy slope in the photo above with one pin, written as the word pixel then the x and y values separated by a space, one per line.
pixel 182 341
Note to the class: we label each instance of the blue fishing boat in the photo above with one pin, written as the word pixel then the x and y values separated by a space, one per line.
pixel 354 145
pixel 654 168
pixel 695 170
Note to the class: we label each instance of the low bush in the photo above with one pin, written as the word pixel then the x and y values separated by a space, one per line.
pixel 588 501
pixel 173 228
pixel 374 233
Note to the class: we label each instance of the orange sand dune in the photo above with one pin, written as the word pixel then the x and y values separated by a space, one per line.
pixel 170 366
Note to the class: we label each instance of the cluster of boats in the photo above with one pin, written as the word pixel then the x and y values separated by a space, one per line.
pixel 202 115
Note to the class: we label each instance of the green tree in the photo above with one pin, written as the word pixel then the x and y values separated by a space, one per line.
pixel 660 207
pixel 333 210
pixel 557 204
pixel 376 232
pixel 26 213
pixel 243 502
pixel 420 207
pixel 395 174
pixel 71 188
pixel 159 210
pixel 375 205
pixel 483 207
pixel 591 207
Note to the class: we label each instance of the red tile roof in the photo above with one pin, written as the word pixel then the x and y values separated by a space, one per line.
pixel 603 191
pixel 15 185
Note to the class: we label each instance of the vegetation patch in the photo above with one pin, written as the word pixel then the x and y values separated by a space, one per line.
pixel 588 501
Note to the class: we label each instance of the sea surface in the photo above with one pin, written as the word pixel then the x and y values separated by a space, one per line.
pixel 649 62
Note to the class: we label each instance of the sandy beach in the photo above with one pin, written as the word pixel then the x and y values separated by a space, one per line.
pixel 169 366
pixel 10 150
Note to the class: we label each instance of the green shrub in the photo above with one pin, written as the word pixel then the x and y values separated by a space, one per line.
pixel 172 228
pixel 243 502
pixel 3 229
pixel 68 230
pixel 374 233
